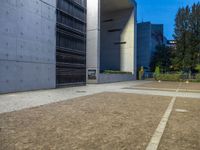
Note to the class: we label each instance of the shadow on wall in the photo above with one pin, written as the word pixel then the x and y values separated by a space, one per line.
pixel 114 35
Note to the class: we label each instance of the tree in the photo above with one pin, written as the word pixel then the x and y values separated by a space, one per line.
pixel 183 58
pixel 141 73
pixel 157 72
pixel 161 58
pixel 187 36
pixel 195 33
pixel 197 68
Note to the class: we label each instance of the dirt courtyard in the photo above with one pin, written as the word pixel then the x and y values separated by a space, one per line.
pixel 183 128
pixel 108 121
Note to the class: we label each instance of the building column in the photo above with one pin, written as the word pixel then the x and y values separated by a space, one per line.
pixel 93 41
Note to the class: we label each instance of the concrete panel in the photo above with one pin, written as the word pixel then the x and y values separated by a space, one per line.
pixel 8 28
pixel 48 12
pixel 37 52
pixel 21 76
pixel 8 13
pixel 93 38
pixel 8 46
pixel 7 76
pixel 127 50
pixel 109 78
pixel 93 55
pixel 27 45
pixel 33 6
pixel 8 2
pixel 93 15
pixel 47 28
pixel 118 56
pixel 35 76
pixel 50 2
pixel 27 29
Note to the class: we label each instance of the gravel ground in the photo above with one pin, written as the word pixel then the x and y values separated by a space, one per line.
pixel 190 86
pixel 21 100
pixel 183 128
pixel 102 121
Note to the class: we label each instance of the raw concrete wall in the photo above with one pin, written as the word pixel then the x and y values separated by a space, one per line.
pixel 116 56
pixel 27 45
pixel 109 78
pixel 93 38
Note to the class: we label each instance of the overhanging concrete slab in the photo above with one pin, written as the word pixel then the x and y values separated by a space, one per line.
pixel 116 5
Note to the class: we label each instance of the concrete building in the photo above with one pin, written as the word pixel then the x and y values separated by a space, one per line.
pixel 71 42
pixel 43 42
pixel 111 40
pixel 27 45
pixel 148 37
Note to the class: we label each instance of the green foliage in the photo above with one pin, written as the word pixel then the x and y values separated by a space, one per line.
pixel 197 77
pixel 157 72
pixel 187 35
pixel 168 77
pixel 162 58
pixel 116 72
pixel 141 73
pixel 197 68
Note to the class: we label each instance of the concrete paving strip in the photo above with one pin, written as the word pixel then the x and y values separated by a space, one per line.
pixel 156 138
pixel 148 88
pixel 160 93
pixel 163 89
pixel 21 100
pixel 18 101
pixel 181 110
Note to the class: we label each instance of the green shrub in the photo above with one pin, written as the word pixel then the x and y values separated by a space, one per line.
pixel 197 68
pixel 157 73
pixel 197 77
pixel 141 73
pixel 157 70
pixel 116 72
pixel 168 77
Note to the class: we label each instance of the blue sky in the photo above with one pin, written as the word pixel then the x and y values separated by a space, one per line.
pixel 161 11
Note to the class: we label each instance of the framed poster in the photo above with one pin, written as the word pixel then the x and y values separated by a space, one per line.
pixel 92 74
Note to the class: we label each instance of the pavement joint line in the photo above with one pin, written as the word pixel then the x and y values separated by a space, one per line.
pixel 163 89
pixel 156 138
pixel 156 93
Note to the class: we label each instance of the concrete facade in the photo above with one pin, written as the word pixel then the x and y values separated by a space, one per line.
pixel 93 38
pixel 110 78
pixel 111 37
pixel 148 37
pixel 27 45
pixel 28 42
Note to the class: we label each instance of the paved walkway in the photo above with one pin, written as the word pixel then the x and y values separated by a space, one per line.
pixel 18 101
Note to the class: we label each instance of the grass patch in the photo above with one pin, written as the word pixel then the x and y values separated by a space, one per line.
pixel 116 72
pixel 168 77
